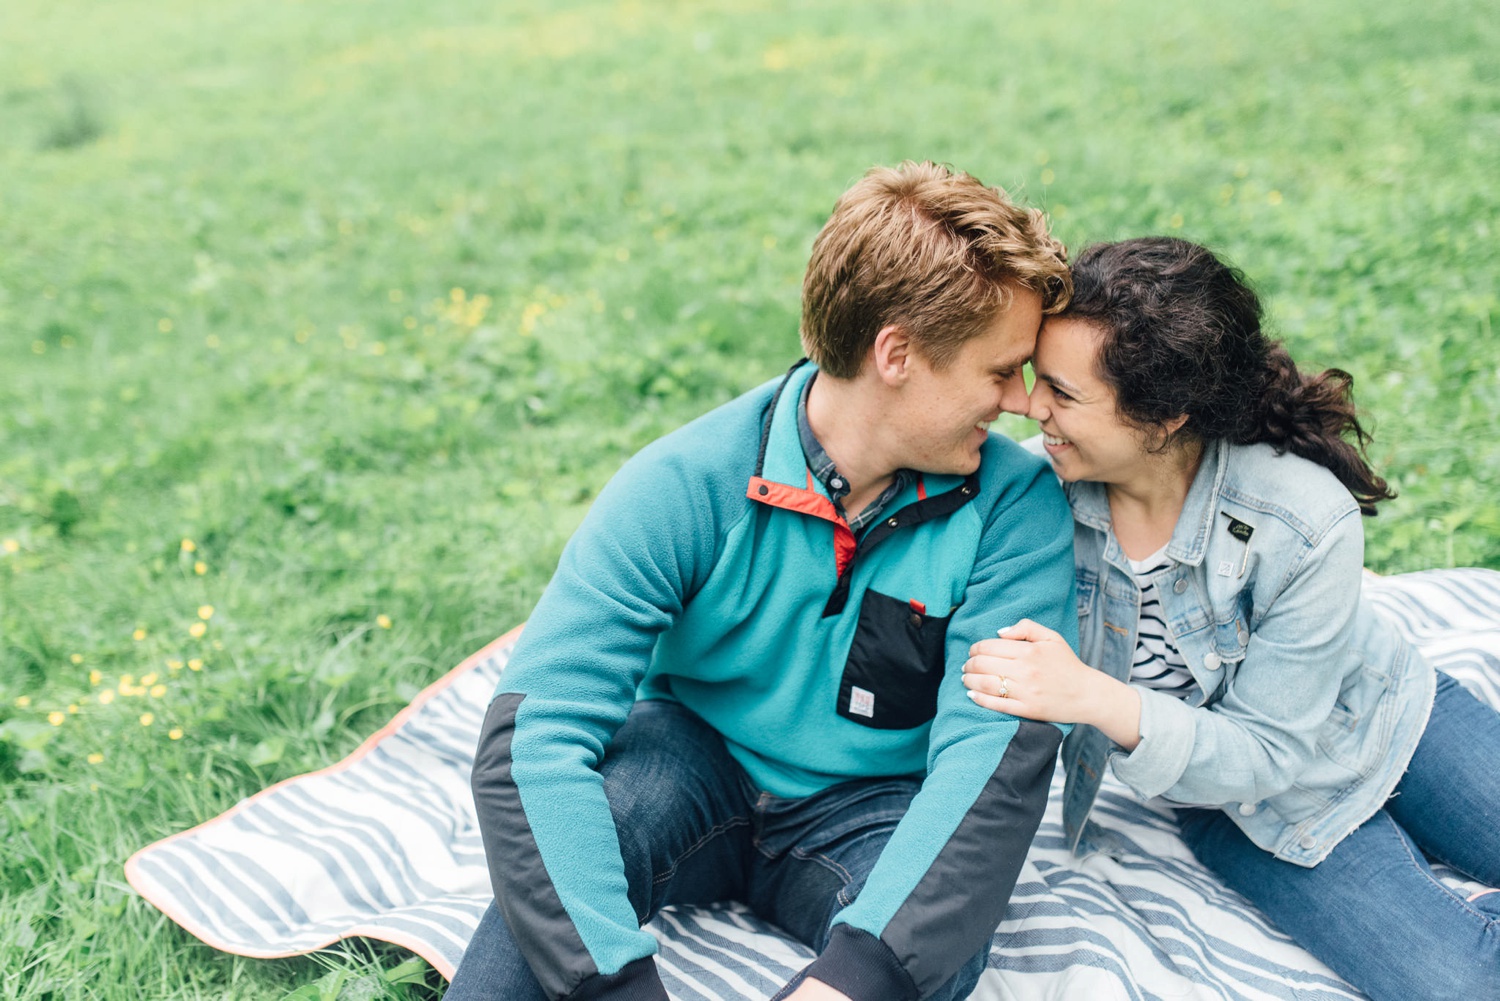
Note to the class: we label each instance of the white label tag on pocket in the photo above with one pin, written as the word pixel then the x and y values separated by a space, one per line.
pixel 861 702
pixel 1226 568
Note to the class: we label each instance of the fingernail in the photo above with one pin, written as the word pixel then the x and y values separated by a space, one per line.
pixel 972 694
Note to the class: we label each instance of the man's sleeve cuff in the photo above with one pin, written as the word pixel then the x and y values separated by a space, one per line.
pixel 636 981
pixel 863 967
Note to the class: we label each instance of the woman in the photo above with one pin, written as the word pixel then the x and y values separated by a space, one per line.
pixel 1219 548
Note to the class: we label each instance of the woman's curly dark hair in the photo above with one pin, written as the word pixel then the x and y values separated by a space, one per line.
pixel 1182 336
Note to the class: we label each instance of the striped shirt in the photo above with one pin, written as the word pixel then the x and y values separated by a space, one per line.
pixel 1157 663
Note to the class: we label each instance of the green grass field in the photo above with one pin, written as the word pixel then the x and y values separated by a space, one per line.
pixel 321 323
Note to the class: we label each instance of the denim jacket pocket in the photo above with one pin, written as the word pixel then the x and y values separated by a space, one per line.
pixel 1086 584
pixel 895 665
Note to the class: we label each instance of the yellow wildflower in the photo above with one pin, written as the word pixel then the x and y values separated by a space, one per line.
pixel 95 758
pixel 197 629
pixel 188 546
pixel 200 568
pixel 147 719
pixel 76 658
pixel 175 733
pixel 11 546
pixel 107 696
pixel 138 635
pixel 157 691
pixel 383 621
pixel 95 677
pixel 195 664
pixel 126 680
pixel 22 701
pixel 174 665
pixel 775 59
pixel 148 679
pixel 205 612
pixel 56 718
pixel 73 709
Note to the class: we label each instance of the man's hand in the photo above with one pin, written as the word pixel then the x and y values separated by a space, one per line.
pixel 816 990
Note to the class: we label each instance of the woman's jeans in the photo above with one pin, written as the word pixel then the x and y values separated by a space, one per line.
pixel 1373 910
pixel 694 830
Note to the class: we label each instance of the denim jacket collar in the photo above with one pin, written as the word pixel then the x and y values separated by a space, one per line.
pixel 1190 538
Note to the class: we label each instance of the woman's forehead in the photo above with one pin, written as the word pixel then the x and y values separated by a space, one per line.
pixel 1066 350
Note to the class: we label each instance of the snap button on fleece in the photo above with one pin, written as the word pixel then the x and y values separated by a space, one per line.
pixel 764 490
pixel 1248 809
pixel 836 483
pixel 893 522
pixel 1211 661
pixel 1181 585
pixel 916 619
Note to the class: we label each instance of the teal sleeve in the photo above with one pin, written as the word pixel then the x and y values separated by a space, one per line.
pixel 942 883
pixel 550 840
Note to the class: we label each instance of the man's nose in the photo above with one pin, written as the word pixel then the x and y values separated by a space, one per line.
pixel 1013 398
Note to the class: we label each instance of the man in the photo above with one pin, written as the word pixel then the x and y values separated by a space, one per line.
pixel 744 680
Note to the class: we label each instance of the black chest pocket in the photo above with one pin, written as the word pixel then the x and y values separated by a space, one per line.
pixel 895 665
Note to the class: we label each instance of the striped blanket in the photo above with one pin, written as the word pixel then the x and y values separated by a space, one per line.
pixel 384 844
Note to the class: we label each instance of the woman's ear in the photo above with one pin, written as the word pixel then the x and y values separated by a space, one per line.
pixel 1160 437
pixel 892 354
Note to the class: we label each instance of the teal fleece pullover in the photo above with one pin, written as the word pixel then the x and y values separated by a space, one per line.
pixel 714 570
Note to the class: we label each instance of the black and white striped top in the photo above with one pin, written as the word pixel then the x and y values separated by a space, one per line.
pixel 1157 663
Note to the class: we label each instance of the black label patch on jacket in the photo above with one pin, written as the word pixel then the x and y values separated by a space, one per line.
pixel 895 665
pixel 1238 528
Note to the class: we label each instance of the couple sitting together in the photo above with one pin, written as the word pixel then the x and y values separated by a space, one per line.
pixel 817 650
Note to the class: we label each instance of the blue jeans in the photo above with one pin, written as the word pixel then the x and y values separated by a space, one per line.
pixel 694 830
pixel 1373 910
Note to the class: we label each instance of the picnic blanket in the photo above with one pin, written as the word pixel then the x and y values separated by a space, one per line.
pixel 384 844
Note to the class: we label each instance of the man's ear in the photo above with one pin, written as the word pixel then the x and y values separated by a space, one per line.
pixel 892 354
pixel 1174 425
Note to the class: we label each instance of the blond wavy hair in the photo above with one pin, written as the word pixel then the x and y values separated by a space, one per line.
pixel 926 248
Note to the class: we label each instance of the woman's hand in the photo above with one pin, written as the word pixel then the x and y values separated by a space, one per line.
pixel 1031 672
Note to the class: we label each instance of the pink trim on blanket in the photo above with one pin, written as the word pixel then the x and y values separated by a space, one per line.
pixel 424 950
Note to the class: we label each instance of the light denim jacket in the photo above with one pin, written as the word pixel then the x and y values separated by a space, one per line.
pixel 1310 704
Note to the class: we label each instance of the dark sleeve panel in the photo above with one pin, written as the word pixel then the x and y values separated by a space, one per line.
pixel 637 981
pixel 955 908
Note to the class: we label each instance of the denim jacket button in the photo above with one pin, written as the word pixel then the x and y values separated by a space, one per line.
pixel 1244 637
pixel 1181 585
pixel 1307 841
pixel 1211 661
pixel 1247 809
